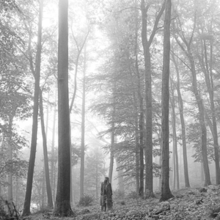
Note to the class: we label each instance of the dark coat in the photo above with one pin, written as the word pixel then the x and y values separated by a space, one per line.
pixel 106 189
pixel 106 195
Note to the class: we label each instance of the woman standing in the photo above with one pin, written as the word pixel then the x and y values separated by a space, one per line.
pixel 106 195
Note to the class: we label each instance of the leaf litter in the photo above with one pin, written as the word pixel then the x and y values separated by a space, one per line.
pixel 189 204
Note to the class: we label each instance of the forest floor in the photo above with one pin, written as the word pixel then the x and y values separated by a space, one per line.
pixel 189 204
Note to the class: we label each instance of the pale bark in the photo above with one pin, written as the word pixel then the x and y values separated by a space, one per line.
pixel 112 156
pixel 79 50
pixel 82 164
pixel 27 202
pixel 146 43
pixel 181 111
pixel 207 70
pixel 201 120
pixel 199 101
pixel 43 189
pixel 111 166
pixel 137 157
pixel 62 204
pixel 139 125
pixel 10 157
pixel 175 150
pixel 46 164
pixel 165 188
pixel 53 179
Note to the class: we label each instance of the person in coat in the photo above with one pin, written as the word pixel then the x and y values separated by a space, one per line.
pixel 106 195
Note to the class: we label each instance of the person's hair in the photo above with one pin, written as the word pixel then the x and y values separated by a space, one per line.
pixel 106 179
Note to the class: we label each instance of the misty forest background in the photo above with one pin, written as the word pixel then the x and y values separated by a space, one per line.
pixel 115 93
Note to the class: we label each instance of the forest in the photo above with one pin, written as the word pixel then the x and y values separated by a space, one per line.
pixel 124 89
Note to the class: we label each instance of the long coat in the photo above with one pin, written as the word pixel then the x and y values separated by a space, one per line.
pixel 106 195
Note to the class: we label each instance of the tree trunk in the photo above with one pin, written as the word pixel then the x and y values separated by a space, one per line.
pixel 96 180
pixel 16 191
pixel 137 156
pixel 62 205
pixel 165 188
pixel 175 151
pixel 160 159
pixel 46 166
pixel 148 97
pixel 207 70
pixel 141 130
pixel 200 105
pixel 2 139
pixel 112 150
pixel 136 98
pixel 27 202
pixel 180 102
pixel 53 155
pixel 112 156
pixel 121 186
pixel 146 43
pixel 201 119
pixel 76 69
pixel 43 189
pixel 83 130
pixel 10 157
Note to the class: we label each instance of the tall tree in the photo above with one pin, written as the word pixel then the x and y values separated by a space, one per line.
pixel 10 157
pixel 206 65
pixel 111 165
pixel 46 165
pixel 53 179
pixel 175 150
pixel 62 205
pixel 79 51
pixel 146 42
pixel 186 46
pixel 112 129
pixel 27 201
pixel 83 129
pixel 183 127
pixel 165 188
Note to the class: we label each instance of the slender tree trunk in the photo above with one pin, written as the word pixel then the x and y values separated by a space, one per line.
pixel 146 43
pixel 76 69
pixel 10 157
pixel 137 152
pixel 175 150
pixel 43 189
pixel 207 70
pixel 2 138
pixel 112 149
pixel 199 102
pixel 46 166
pixel 96 180
pixel 201 120
pixel 139 125
pixel 27 202
pixel 148 97
pixel 120 179
pixel 180 102
pixel 137 156
pixel 16 190
pixel 83 130
pixel 165 188
pixel 53 155
pixel 141 130
pixel 62 205
pixel 160 160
